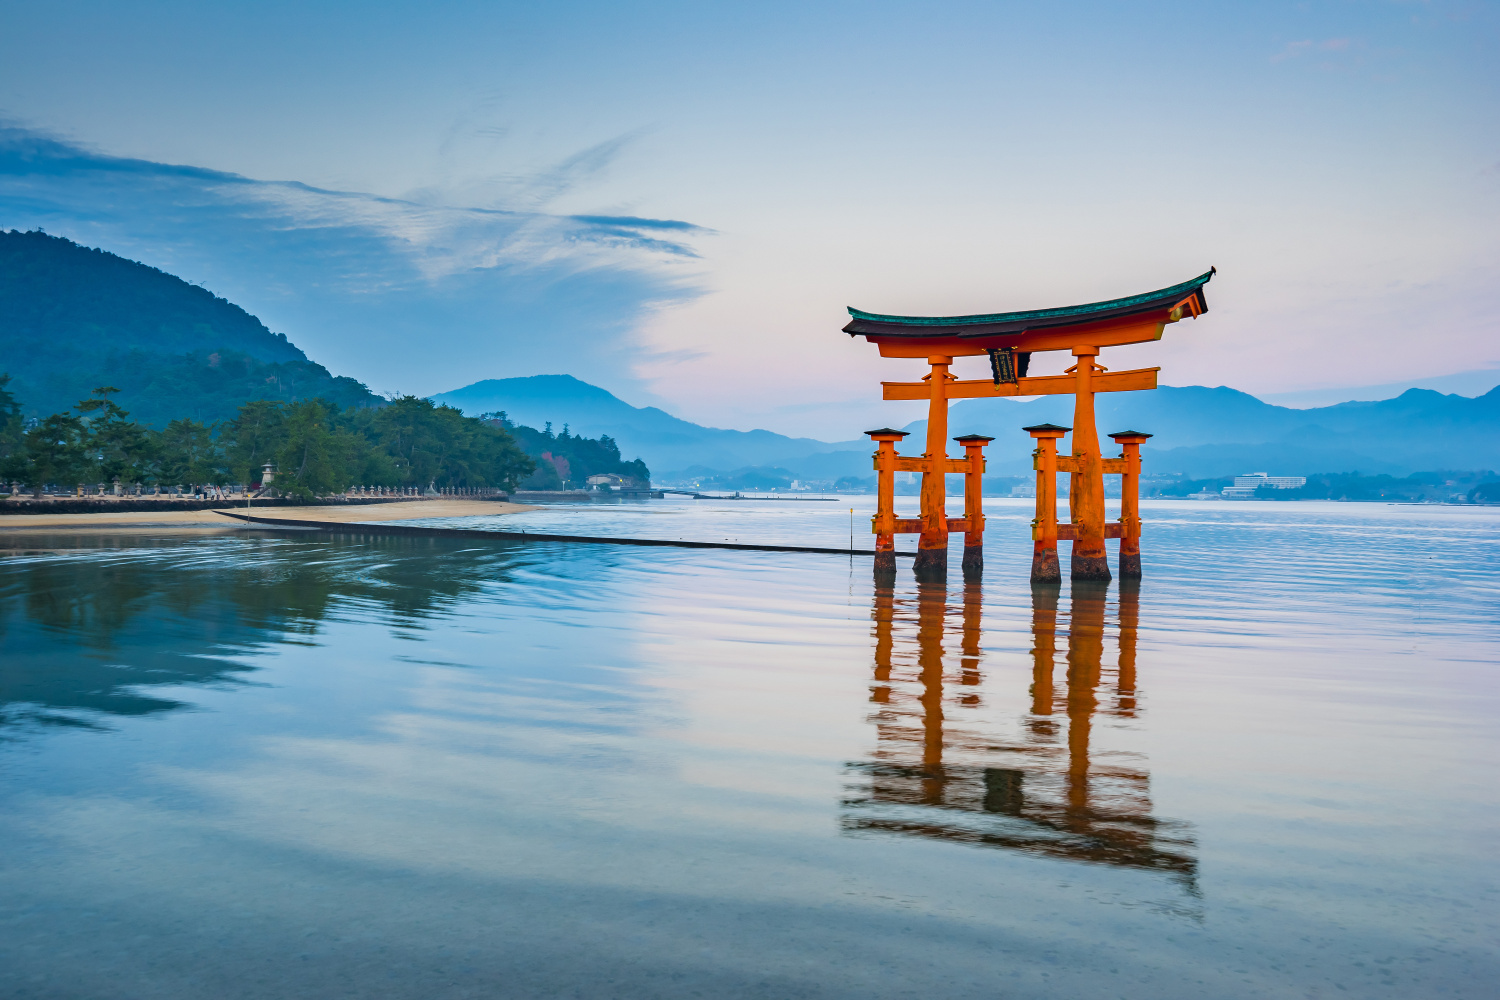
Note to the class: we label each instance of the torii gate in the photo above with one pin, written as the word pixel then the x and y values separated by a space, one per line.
pixel 1010 339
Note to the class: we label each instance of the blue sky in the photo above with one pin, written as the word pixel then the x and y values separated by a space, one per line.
pixel 676 201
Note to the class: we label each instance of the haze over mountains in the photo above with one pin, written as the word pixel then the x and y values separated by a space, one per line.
pixel 1207 433
pixel 72 318
pixel 1200 432
pixel 672 443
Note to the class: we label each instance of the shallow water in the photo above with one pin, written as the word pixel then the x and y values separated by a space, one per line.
pixel 271 765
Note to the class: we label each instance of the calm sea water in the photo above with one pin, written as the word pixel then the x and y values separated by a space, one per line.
pixel 271 765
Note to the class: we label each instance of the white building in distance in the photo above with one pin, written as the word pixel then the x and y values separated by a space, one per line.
pixel 1245 486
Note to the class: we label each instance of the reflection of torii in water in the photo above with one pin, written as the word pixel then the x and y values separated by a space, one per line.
pixel 929 777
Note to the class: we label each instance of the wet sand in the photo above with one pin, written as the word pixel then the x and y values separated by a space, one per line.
pixel 212 520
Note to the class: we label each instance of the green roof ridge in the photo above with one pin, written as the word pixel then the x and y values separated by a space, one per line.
pixel 1013 317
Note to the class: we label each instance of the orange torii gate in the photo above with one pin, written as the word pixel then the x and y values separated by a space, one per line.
pixel 1009 339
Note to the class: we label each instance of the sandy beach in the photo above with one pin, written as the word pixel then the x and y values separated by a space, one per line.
pixel 211 520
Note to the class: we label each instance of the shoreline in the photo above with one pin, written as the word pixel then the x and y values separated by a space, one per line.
pixel 27 506
pixel 209 519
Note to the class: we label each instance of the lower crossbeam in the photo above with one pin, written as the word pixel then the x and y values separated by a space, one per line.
pixel 1067 532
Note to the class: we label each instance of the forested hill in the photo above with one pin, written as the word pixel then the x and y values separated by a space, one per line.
pixel 74 318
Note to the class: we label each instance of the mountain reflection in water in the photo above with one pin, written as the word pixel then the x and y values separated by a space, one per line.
pixel 932 776
pixel 403 768
pixel 142 613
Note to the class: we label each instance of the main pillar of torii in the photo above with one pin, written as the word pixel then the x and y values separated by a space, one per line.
pixel 1010 339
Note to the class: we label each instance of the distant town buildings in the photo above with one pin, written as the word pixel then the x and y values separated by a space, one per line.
pixel 1245 486
pixel 611 481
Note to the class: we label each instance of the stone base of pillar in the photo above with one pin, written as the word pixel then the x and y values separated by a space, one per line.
pixel 931 564
pixel 973 561
pixel 885 564
pixel 1090 567
pixel 1130 565
pixel 1044 567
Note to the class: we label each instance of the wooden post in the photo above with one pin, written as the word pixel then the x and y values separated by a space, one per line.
pixel 973 444
pixel 1086 483
pixel 932 544
pixel 1044 567
pixel 1130 502
pixel 884 521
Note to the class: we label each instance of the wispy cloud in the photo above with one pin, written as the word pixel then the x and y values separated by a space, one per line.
pixel 576 169
pixel 507 282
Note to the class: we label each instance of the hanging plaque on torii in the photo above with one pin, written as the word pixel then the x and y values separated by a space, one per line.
pixel 1009 340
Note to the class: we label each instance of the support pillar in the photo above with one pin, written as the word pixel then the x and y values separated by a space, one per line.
pixel 973 444
pixel 1130 502
pixel 1044 567
pixel 884 521
pixel 932 544
pixel 1086 483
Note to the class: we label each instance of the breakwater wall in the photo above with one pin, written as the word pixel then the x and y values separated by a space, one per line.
pixel 477 534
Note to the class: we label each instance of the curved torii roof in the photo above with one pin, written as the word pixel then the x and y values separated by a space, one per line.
pixel 1019 329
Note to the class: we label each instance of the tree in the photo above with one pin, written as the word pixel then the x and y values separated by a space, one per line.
pixel 51 452
pixel 581 456
pixel 316 449
pixel 118 449
pixel 427 443
pixel 12 426
pixel 315 459
pixel 187 455
pixel 250 440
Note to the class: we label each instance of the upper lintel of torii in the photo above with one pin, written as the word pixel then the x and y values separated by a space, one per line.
pixel 1131 320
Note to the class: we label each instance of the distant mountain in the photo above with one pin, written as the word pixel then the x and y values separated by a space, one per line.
pixel 665 442
pixel 1200 432
pixel 73 318
pixel 1474 382
pixel 1206 433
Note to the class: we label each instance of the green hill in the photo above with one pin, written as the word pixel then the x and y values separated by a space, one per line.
pixel 73 318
